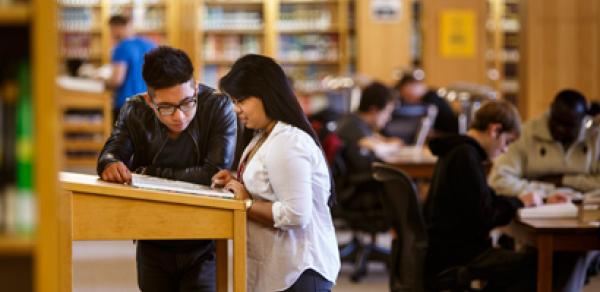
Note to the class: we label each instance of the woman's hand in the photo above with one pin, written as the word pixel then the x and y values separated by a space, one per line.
pixel 238 189
pixel 221 178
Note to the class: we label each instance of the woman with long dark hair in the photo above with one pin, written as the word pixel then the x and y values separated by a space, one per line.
pixel 284 181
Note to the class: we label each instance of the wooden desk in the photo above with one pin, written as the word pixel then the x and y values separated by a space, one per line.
pixel 91 209
pixel 419 166
pixel 550 235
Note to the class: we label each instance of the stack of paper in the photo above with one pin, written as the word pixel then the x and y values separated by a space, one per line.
pixel 564 210
pixel 161 184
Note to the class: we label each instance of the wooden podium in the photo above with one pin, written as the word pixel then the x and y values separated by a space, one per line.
pixel 91 209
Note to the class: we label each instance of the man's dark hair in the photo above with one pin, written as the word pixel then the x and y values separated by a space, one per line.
pixel 406 79
pixel 118 20
pixel 375 95
pixel 498 111
pixel 165 67
pixel 570 99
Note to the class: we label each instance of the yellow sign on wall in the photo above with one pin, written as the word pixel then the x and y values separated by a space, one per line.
pixel 458 34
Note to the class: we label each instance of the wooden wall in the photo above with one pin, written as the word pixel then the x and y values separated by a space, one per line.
pixel 440 70
pixel 382 47
pixel 561 48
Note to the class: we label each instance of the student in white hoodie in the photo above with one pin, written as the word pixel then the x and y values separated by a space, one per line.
pixel 284 180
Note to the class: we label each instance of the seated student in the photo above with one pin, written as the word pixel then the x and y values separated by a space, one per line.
pixel 178 130
pixel 461 209
pixel 413 92
pixel 359 132
pixel 284 182
pixel 556 150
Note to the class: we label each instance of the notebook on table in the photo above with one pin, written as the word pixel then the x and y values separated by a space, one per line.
pixel 562 210
pixel 161 184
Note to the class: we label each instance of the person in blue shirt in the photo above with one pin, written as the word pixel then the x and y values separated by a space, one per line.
pixel 127 60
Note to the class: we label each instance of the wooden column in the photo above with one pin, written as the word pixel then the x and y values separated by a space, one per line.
pixel 383 47
pixel 560 49
pixel 441 68
pixel 46 150
pixel 271 39
pixel 188 22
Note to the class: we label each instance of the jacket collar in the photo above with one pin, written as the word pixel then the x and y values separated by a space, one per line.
pixel 193 128
pixel 443 145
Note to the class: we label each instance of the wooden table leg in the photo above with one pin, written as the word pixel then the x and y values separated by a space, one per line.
pixel 65 241
pixel 239 251
pixel 545 247
pixel 222 265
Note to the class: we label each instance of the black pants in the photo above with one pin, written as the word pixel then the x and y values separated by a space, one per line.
pixel 504 270
pixel 311 281
pixel 165 271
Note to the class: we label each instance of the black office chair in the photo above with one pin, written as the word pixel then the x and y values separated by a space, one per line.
pixel 359 207
pixel 409 249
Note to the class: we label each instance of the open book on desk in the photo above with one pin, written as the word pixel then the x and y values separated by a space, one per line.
pixel 592 197
pixel 161 184
pixel 562 210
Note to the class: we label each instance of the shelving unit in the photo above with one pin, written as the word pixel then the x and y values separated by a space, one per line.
pixel 312 44
pixel 15 14
pixel 149 17
pixel 85 34
pixel 502 55
pixel 86 124
pixel 30 262
pixel 309 38
pixel 16 246
pixel 228 30
pixel 82 33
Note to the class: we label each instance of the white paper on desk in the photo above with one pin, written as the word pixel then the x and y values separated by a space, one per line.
pixel 563 210
pixel 161 184
pixel 592 197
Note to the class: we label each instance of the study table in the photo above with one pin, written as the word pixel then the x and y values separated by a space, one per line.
pixel 91 209
pixel 550 235
pixel 419 165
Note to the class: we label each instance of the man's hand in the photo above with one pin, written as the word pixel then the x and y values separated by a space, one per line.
pixel 530 199
pixel 558 197
pixel 117 172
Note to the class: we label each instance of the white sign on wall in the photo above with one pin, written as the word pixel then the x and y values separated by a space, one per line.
pixel 386 10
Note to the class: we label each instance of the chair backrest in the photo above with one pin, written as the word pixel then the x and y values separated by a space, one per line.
pixel 404 211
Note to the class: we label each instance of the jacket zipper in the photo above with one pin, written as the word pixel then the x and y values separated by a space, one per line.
pixel 161 147
pixel 195 148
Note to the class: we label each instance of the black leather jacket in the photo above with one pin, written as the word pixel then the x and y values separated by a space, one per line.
pixel 138 137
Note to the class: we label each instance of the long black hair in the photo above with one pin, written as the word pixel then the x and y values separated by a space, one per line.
pixel 261 77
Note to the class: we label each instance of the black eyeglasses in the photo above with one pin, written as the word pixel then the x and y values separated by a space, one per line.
pixel 167 109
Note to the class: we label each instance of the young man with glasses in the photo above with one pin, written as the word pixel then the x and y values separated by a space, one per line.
pixel 177 130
